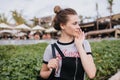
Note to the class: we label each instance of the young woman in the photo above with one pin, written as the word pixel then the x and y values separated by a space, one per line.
pixel 76 58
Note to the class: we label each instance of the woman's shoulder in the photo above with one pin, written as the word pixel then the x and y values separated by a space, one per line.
pixel 85 41
pixel 52 42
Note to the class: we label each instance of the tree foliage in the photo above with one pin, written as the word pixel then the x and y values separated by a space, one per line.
pixel 3 19
pixel 18 17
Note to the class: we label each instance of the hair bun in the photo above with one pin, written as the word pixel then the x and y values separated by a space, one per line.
pixel 57 9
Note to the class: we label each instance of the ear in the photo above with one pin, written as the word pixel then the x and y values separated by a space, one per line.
pixel 62 26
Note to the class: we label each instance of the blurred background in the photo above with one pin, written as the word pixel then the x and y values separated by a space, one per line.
pixel 31 19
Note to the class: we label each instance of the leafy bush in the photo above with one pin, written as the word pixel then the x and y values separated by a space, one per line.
pixel 24 62
pixel 106 56
pixel 21 62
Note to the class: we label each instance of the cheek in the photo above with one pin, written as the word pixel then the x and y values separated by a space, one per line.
pixel 72 31
pixel 75 32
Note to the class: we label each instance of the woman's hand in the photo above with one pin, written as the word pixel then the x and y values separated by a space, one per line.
pixel 79 37
pixel 53 64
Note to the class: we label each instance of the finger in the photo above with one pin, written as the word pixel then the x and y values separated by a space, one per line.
pixel 50 69
pixel 54 64
pixel 77 34
pixel 57 59
pixel 57 67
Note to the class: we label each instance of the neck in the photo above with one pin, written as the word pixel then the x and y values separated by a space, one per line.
pixel 64 38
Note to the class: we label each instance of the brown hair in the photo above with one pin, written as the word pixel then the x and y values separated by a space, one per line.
pixel 62 16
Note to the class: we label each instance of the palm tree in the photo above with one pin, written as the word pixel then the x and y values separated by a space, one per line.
pixel 35 21
pixel 97 16
pixel 110 9
pixel 18 17
pixel 97 10
pixel 81 19
pixel 3 19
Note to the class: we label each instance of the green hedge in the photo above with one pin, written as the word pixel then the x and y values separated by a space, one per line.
pixel 24 62
pixel 106 56
pixel 21 62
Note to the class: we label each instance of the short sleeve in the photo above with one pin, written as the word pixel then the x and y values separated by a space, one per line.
pixel 87 47
pixel 47 54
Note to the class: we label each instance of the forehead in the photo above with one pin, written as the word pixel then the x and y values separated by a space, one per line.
pixel 72 18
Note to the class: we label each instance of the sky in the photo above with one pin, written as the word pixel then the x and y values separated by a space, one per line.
pixel 41 8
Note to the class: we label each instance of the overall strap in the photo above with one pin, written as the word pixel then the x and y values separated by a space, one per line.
pixel 58 49
pixel 51 77
pixel 53 51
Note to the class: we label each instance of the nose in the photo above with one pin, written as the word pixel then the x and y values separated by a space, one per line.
pixel 78 27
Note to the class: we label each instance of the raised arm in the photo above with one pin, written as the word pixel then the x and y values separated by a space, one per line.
pixel 87 59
